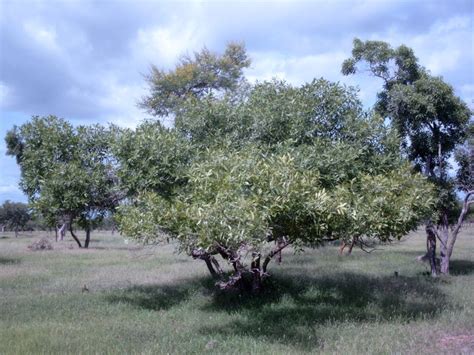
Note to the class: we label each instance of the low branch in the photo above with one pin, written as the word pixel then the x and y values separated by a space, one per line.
pixel 269 257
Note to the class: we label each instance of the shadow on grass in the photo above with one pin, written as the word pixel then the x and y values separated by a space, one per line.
pixel 154 297
pixel 290 308
pixel 461 267
pixel 9 261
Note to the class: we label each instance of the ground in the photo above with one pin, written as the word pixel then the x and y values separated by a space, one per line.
pixel 121 298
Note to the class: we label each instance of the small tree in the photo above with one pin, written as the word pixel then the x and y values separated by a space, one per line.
pixel 66 172
pixel 14 215
pixel 432 122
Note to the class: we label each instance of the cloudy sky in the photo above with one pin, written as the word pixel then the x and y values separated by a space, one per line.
pixel 85 60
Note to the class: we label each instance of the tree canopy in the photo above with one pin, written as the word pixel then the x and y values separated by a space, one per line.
pixel 272 163
pixel 194 77
pixel 14 215
pixel 431 120
pixel 67 172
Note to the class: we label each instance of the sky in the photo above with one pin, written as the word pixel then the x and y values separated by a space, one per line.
pixel 85 60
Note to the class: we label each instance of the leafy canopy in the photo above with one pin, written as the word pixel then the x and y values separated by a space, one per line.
pixel 66 171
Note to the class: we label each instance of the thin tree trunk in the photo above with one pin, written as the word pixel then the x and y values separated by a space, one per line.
pixel 74 235
pixel 431 248
pixel 449 242
pixel 88 237
pixel 354 241
pixel 444 238
pixel 61 232
pixel 211 262
pixel 271 255
pixel 342 247
pixel 256 274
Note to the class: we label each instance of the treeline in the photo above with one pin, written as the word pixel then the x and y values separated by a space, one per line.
pixel 20 217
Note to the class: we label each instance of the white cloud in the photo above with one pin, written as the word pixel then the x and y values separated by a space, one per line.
pixel 9 189
pixel 5 94
pixel 295 69
pixel 45 37
pixel 163 45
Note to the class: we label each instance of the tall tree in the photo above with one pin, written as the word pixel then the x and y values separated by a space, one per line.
pixel 67 172
pixel 194 77
pixel 431 120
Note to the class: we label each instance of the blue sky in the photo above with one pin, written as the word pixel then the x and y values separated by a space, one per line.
pixel 85 60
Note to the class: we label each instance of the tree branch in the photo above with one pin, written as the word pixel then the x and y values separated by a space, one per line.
pixel 465 208
pixel 269 257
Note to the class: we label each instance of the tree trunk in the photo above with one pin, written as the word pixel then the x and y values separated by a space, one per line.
pixel 431 248
pixel 354 241
pixel 61 232
pixel 448 240
pixel 256 274
pixel 88 237
pixel 16 232
pixel 271 255
pixel 74 235
pixel 443 249
pixel 211 262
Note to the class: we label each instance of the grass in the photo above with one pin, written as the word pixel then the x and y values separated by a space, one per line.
pixel 142 300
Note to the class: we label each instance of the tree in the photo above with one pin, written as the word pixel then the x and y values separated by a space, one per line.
pixel 244 175
pixel 431 120
pixel 14 215
pixel 67 172
pixel 194 77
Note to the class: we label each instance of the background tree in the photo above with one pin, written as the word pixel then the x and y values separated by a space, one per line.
pixel 193 78
pixel 429 117
pixel 66 172
pixel 14 216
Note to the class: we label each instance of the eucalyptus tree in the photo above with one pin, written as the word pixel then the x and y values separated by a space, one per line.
pixel 67 172
pixel 244 175
pixel 432 122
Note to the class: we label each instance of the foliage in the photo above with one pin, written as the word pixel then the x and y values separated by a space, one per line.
pixel 194 77
pixel 431 120
pixel 67 172
pixel 270 163
pixel 14 215
pixel 151 158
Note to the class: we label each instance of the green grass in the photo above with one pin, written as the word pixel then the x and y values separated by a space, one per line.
pixel 143 300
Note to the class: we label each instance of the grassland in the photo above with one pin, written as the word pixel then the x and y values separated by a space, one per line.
pixel 121 298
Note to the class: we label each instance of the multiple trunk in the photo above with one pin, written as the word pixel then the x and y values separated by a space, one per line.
pixel 447 238
pixel 61 232
pixel 345 244
pixel 242 277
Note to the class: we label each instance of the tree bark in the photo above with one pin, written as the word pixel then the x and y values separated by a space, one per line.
pixel 88 237
pixel 448 241
pixel 443 249
pixel 61 232
pixel 211 262
pixel 256 274
pixel 272 254
pixel 74 235
pixel 431 248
